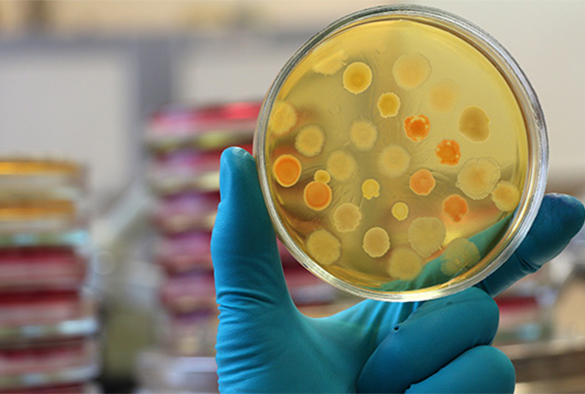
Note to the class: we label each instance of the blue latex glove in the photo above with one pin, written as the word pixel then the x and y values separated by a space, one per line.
pixel 265 344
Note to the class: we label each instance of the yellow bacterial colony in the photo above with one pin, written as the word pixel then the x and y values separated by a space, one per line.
pixel 391 148
pixel 388 105
pixel 370 189
pixel 400 211
pixel 363 135
pixel 309 141
pixel 357 77
pixel 347 217
pixel 376 242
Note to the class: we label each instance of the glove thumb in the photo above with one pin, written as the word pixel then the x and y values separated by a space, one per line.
pixel 247 268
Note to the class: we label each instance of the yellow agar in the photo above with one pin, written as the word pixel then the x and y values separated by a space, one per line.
pixel 478 177
pixel 426 235
pixel 444 95
pixel 323 247
pixel 370 189
pixel 287 170
pixel 474 124
pixel 357 77
pixel 310 140
pixel 381 150
pixel 393 161
pixel 506 196
pixel 347 217
pixel 404 264
pixel 317 195
pixel 322 176
pixel 341 165
pixel 388 105
pixel 412 70
pixel 422 182
pixel 458 255
pixel 363 134
pixel 282 118
pixel 448 152
pixel 455 207
pixel 36 209
pixel 400 211
pixel 376 242
pixel 417 127
pixel 18 167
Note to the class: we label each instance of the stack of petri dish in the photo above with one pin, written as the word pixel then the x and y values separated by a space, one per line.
pixel 48 321
pixel 185 145
pixel 185 148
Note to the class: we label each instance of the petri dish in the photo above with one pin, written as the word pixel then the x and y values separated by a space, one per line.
pixel 186 170
pixel 45 316
pixel 203 128
pixel 74 237
pixel 40 307
pixel 37 174
pixel 41 267
pixel 402 154
pixel 49 363
pixel 23 213
pixel 188 292
pixel 185 252
pixel 190 335
pixel 186 211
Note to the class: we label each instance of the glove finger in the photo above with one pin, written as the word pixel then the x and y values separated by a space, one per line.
pixel 435 334
pixel 246 262
pixel 559 219
pixel 482 369
pixel 375 319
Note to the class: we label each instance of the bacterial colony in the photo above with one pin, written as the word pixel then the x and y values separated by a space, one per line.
pixel 395 154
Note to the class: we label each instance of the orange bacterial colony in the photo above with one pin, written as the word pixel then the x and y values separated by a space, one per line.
pixel 422 182
pixel 317 195
pixel 417 127
pixel 455 207
pixel 448 152
pixel 287 170
pixel 392 150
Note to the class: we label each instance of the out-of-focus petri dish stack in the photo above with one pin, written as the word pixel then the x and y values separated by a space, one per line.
pixel 48 321
pixel 185 145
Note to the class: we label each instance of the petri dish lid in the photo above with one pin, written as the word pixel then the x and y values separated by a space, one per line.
pixel 188 292
pixel 41 268
pixel 77 237
pixel 402 154
pixel 202 128
pixel 66 388
pixel 159 371
pixel 186 211
pixel 32 380
pixel 186 170
pixel 37 212
pixel 42 306
pixel 30 318
pixel 83 326
pixel 55 363
pixel 37 173
pixel 184 252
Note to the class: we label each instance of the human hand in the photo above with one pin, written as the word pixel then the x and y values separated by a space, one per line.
pixel 265 344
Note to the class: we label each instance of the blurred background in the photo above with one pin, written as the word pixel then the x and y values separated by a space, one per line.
pixel 123 108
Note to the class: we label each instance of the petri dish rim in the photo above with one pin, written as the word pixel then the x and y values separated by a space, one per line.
pixel 529 105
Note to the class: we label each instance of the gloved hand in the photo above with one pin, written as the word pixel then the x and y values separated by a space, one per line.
pixel 265 344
